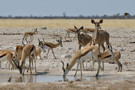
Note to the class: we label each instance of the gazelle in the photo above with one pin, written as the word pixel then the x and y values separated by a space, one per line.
pixel 21 56
pixel 27 52
pixel 82 39
pixel 86 30
pixel 81 55
pixel 51 46
pixel 6 55
pixel 100 36
pixel 29 34
pixel 68 32
pixel 108 57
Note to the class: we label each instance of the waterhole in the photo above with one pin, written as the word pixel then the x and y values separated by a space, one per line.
pixel 58 78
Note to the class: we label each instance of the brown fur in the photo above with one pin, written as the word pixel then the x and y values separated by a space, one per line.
pixel 29 34
pixel 117 56
pixel 86 30
pixel 82 39
pixel 8 54
pixel 68 31
pixel 27 51
pixel 82 52
pixel 100 36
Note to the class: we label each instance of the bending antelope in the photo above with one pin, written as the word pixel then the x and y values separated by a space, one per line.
pixel 51 46
pixel 108 57
pixel 100 36
pixel 79 56
pixel 83 39
pixel 6 55
pixel 27 52
pixel 29 34
pixel 68 32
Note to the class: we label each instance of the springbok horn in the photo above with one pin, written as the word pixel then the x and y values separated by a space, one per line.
pixel 43 40
pixel 63 65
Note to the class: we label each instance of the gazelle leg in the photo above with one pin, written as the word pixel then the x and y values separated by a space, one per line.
pixel 81 67
pixel 23 67
pixel 47 53
pixel 53 54
pixel 99 62
pixel 77 68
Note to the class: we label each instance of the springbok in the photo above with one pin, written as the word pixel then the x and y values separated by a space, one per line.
pixel 27 52
pixel 108 57
pixel 6 55
pixel 82 39
pixel 81 55
pixel 19 54
pixel 29 34
pixel 68 32
pixel 100 36
pixel 86 30
pixel 51 46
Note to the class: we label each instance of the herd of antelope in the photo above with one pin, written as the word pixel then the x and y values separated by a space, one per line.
pixel 89 49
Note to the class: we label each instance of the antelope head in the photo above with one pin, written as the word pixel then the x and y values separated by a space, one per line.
pixel 97 24
pixel 60 41
pixel 16 62
pixel 42 45
pixel 35 30
pixel 78 29
pixel 65 71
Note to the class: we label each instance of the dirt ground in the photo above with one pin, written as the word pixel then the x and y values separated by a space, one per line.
pixel 120 39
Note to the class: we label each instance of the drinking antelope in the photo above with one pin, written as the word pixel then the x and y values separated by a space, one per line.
pixel 29 34
pixel 81 55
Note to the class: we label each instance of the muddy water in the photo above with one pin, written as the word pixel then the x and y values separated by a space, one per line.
pixel 52 78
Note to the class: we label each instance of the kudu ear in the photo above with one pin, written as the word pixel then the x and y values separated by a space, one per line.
pixel 101 21
pixel 81 28
pixel 92 21
pixel 75 27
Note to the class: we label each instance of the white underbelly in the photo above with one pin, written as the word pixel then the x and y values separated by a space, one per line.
pixel 87 56
pixel 108 59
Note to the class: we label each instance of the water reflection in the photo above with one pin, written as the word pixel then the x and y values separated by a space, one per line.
pixel 42 77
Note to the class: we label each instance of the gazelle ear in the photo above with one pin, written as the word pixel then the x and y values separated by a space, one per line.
pixel 43 40
pixel 101 21
pixel 38 40
pixel 61 38
pixel 92 21
pixel 75 27
pixel 67 64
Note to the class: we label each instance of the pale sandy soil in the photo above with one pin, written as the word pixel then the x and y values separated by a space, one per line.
pixel 120 39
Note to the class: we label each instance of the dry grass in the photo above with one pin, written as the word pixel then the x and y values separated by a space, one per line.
pixel 65 23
